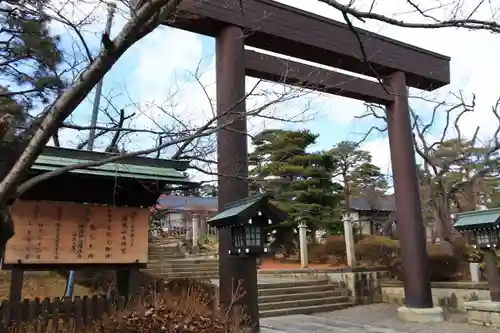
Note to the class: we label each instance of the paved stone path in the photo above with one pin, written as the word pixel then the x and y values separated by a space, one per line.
pixel 378 318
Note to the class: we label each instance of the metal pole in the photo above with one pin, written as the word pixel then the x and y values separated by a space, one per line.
pixel 98 88
pixel 93 123
pixel 237 274
pixel 68 291
pixel 409 212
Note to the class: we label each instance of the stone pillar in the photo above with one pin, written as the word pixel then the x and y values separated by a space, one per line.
pixel 349 242
pixel 304 260
pixel 186 223
pixel 195 229
pixel 202 222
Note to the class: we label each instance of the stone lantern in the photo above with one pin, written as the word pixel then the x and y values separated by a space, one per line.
pixel 485 224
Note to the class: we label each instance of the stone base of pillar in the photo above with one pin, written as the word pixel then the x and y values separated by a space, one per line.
pixel 416 315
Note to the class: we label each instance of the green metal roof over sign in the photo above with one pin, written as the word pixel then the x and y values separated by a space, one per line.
pixel 127 181
pixel 478 219
pixel 141 168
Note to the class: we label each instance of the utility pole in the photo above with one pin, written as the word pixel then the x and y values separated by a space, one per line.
pixel 98 88
pixel 93 123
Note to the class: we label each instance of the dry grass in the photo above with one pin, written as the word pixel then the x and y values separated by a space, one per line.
pixel 40 285
pixel 185 306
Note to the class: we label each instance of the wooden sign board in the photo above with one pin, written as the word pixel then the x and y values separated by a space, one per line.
pixel 71 233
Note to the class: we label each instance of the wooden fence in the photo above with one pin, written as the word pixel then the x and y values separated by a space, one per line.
pixel 54 314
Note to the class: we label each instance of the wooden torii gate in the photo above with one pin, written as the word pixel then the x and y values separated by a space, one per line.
pixel 282 29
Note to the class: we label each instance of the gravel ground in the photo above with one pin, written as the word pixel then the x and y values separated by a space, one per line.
pixel 377 318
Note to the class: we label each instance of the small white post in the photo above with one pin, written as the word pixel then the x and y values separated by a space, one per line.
pixel 349 241
pixel 196 230
pixel 475 272
pixel 202 222
pixel 189 231
pixel 304 260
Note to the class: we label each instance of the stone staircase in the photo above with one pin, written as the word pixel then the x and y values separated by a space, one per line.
pixel 301 297
pixel 159 252
pixel 276 297
pixel 182 268
pixel 169 262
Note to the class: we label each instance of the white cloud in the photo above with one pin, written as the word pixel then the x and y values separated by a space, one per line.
pixel 164 54
pixel 379 148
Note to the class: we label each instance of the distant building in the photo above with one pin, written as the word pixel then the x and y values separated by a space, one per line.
pixel 180 211
pixel 369 215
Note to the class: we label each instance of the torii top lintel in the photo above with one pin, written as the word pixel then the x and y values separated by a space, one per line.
pixel 287 30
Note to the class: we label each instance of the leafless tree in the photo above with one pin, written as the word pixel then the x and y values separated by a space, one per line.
pixel 88 67
pixel 455 169
pixel 142 21
pixel 170 134
pixel 435 14
pixel 440 197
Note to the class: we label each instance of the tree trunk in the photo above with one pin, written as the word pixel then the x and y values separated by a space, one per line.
pixel 9 153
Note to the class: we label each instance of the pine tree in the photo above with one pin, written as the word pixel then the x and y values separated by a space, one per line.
pixel 300 181
pixel 358 176
pixel 356 170
pixel 29 57
pixel 28 70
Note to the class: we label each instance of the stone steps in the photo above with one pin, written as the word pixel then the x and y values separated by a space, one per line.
pixel 298 296
pixel 298 303
pixel 187 261
pixel 304 310
pixel 169 269
pixel 164 267
pixel 171 264
pixel 295 288
pixel 165 257
pixel 186 272
pixel 195 274
pixel 301 297
pixel 184 264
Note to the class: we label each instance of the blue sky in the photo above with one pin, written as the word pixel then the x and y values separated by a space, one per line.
pixel 160 62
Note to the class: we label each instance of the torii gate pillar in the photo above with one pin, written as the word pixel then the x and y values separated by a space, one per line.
pixel 418 298
pixel 232 157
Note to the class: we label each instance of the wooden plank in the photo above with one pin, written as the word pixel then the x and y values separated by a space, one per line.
pixel 271 68
pixel 286 30
pixel 70 233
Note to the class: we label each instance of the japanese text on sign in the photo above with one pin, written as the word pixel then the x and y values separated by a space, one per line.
pixel 95 234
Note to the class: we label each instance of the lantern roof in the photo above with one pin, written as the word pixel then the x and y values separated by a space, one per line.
pixel 239 211
pixel 480 219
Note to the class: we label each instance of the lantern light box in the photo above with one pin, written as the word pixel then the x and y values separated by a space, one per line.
pixel 247 219
pixel 485 224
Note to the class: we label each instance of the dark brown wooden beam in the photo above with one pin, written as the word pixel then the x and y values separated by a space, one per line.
pixel 235 272
pixel 411 231
pixel 286 30
pixel 271 68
